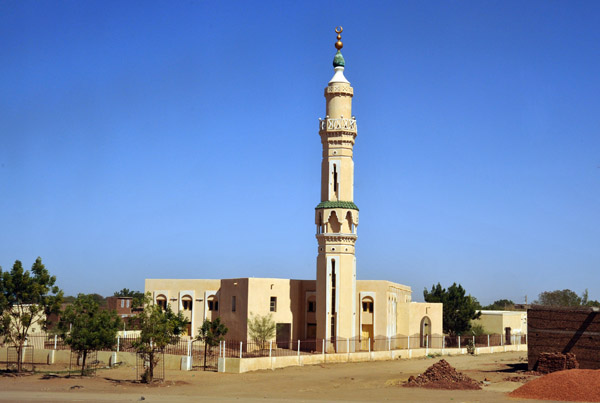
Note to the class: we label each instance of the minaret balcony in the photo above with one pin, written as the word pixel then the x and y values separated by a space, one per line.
pixel 337 125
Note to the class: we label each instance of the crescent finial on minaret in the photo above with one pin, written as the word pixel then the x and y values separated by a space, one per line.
pixel 339 45
pixel 338 60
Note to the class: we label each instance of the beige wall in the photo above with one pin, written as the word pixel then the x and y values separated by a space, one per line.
pixel 387 297
pixel 419 310
pixel 393 315
pixel 495 322
pixel 176 289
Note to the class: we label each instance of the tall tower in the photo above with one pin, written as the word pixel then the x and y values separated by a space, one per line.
pixel 336 216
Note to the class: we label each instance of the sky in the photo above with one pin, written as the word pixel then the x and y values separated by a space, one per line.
pixel 179 139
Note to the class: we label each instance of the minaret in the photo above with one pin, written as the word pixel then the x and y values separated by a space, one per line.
pixel 337 215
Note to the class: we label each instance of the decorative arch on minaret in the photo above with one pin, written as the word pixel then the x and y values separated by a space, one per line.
pixel 334 223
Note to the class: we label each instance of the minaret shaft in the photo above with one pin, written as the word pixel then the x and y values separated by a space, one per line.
pixel 336 217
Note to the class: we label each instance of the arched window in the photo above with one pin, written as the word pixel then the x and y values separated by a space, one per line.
pixel 213 303
pixel 367 305
pixel 161 301
pixel 186 303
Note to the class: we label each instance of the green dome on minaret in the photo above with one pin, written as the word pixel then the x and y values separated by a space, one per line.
pixel 338 60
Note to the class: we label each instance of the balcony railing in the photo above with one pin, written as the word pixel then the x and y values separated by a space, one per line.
pixel 343 124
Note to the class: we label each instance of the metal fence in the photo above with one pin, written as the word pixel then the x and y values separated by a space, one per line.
pixel 186 346
pixel 144 372
pixel 250 349
pixel 12 356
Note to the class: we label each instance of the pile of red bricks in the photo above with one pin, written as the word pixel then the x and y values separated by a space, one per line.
pixel 552 362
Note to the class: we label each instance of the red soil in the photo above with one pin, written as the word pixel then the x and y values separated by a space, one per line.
pixel 442 375
pixel 575 385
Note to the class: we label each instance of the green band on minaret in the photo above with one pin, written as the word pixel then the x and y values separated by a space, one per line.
pixel 338 60
pixel 337 204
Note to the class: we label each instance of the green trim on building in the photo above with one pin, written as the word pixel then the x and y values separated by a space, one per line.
pixel 337 204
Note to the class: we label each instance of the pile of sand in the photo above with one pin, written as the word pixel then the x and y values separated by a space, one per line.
pixel 442 375
pixel 580 385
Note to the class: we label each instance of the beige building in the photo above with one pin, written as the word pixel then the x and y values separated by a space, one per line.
pixel 336 306
pixel 496 322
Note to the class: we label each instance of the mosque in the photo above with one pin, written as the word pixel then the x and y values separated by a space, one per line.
pixel 335 307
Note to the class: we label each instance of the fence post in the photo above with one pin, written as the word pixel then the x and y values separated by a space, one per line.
pixel 298 348
pixel 389 343
pixel 55 340
pixel 408 343
pixel 443 343
pixel 220 349
pixel 240 349
pixel 118 343
pixel 474 341
pixel 458 342
pixel 190 348
pixel 501 339
pixel 270 348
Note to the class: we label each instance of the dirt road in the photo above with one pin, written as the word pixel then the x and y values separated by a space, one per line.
pixel 369 381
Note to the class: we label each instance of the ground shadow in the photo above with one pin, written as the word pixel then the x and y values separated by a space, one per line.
pixel 512 368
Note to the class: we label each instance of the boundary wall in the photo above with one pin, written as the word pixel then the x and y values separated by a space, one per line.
pixel 44 356
pixel 241 365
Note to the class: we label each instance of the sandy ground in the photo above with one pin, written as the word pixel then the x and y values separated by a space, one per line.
pixel 368 381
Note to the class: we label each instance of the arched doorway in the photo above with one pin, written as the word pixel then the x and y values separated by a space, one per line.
pixel 425 330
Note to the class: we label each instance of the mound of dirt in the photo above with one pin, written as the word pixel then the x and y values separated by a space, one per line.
pixel 442 375
pixel 579 385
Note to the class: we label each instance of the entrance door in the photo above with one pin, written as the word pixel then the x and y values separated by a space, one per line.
pixel 283 335
pixel 366 334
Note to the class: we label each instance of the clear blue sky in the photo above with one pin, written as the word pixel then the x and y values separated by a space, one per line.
pixel 179 139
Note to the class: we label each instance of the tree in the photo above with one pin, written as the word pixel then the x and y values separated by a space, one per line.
pixel 27 300
pixel 211 333
pixel 261 329
pixel 477 330
pixel 159 328
pixel 100 300
pixel 565 298
pixel 138 296
pixel 86 328
pixel 559 298
pixel 501 304
pixel 458 310
pixel 586 301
